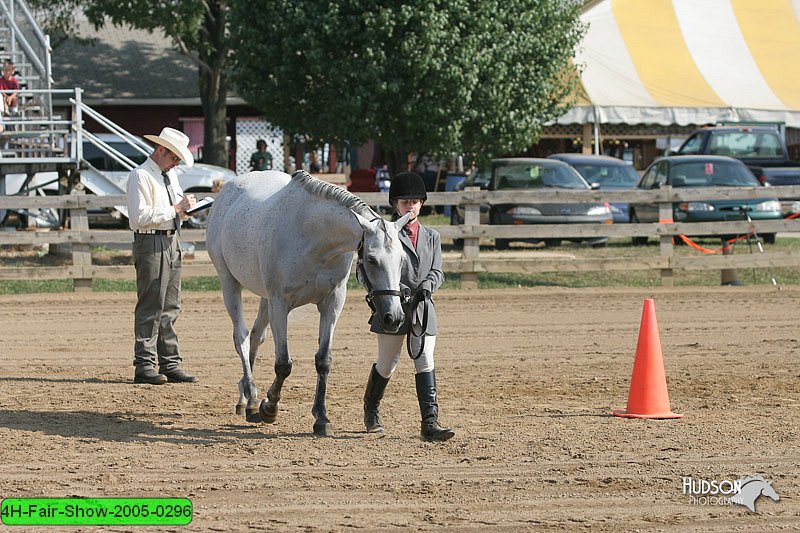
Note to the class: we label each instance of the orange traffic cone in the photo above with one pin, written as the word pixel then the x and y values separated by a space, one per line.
pixel 648 396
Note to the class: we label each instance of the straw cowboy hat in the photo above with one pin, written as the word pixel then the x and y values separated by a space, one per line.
pixel 176 142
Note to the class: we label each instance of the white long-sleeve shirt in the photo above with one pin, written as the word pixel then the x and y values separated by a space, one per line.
pixel 148 202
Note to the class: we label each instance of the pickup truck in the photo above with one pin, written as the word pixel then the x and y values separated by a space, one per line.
pixel 761 148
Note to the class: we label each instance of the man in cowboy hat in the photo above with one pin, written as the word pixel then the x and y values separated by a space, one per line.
pixel 156 205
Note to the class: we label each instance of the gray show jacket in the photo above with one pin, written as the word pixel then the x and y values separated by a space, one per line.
pixel 421 270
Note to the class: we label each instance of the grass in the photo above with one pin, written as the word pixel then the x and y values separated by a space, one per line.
pixel 617 248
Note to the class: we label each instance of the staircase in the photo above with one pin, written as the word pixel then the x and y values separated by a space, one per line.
pixel 42 153
pixel 32 131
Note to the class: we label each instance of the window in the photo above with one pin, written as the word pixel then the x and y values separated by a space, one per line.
pixel 692 145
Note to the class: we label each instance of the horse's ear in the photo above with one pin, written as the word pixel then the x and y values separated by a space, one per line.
pixel 402 221
pixel 364 222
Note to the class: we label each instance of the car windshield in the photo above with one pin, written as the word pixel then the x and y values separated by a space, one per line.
pixel 712 174
pixel 528 175
pixel 608 175
pixel 479 178
pixel 745 144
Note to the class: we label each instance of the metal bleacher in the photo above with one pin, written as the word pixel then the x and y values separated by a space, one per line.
pixel 34 142
pixel 32 132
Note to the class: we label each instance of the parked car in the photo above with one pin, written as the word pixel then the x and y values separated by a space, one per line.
pixel 196 179
pixel 761 148
pixel 527 174
pixel 609 173
pixel 703 171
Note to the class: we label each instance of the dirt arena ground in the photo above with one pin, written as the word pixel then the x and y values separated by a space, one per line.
pixel 527 378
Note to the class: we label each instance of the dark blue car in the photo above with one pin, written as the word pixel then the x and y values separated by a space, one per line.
pixel 609 173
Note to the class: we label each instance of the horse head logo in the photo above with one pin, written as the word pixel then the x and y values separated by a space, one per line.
pixel 752 488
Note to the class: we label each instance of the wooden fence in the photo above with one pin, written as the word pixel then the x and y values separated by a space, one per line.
pixel 470 262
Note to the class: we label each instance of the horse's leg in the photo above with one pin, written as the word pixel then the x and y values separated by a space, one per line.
pixel 232 295
pixel 257 336
pixel 329 310
pixel 278 318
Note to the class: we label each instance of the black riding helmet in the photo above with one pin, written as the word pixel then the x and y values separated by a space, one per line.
pixel 407 185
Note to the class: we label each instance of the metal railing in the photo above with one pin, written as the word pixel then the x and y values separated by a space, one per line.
pixel 29 48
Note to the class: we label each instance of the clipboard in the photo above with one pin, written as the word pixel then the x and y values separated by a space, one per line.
pixel 205 203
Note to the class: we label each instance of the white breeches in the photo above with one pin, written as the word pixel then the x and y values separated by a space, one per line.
pixel 390 347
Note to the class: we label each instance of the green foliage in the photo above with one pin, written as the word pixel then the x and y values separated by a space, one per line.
pixel 467 76
pixel 35 286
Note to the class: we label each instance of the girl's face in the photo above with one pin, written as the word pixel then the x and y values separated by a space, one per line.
pixel 404 205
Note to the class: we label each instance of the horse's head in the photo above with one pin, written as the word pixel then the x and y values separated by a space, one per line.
pixel 380 259
pixel 769 491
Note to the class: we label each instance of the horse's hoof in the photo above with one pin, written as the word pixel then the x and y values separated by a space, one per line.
pixel 268 412
pixel 239 409
pixel 253 415
pixel 323 429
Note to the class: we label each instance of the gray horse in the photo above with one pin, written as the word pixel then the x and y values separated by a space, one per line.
pixel 291 241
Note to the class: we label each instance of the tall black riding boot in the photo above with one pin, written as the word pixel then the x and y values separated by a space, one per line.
pixel 372 399
pixel 429 409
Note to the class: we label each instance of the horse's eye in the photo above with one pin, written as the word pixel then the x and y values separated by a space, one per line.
pixel 372 260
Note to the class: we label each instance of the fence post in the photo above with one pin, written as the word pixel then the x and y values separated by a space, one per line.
pixel 81 252
pixel 728 276
pixel 665 241
pixel 472 217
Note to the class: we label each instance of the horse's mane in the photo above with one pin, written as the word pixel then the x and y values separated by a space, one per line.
pixel 323 189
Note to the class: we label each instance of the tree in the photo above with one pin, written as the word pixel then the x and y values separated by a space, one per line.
pixel 198 28
pixel 466 76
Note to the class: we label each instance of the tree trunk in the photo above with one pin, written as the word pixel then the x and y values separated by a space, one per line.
pixel 213 81
pixel 396 159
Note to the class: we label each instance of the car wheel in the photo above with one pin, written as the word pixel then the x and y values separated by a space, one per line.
pixel 552 243
pixel 637 241
pixel 769 238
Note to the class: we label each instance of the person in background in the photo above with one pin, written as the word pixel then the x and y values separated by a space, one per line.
pixel 422 273
pixel 156 205
pixel 313 163
pixel 261 158
pixel 9 83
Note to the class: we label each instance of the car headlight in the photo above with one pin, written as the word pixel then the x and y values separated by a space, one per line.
pixel 695 207
pixel 770 205
pixel 599 210
pixel 524 210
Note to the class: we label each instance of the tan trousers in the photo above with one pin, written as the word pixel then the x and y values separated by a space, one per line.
pixel 157 259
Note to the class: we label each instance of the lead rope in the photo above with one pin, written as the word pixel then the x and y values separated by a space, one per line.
pixel 411 332
pixel 361 276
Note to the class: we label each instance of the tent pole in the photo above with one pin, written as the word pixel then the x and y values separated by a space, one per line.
pixel 596 131
pixel 586 139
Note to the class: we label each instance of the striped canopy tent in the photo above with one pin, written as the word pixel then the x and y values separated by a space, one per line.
pixel 689 62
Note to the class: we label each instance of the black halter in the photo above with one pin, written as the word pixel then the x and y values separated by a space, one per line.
pixel 406 302
pixel 361 275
